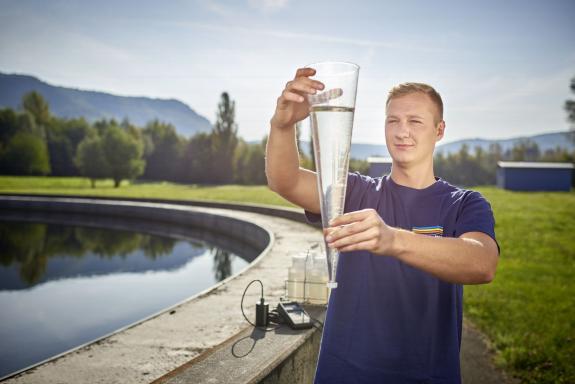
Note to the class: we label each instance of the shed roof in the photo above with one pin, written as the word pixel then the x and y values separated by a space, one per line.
pixel 378 159
pixel 527 164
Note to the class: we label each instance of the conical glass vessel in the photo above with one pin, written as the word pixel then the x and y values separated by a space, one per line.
pixel 332 124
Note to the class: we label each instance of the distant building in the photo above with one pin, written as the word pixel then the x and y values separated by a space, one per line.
pixel 379 166
pixel 526 176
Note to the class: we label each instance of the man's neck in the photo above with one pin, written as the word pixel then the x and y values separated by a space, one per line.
pixel 417 177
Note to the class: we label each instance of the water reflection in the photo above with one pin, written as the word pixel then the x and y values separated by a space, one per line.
pixel 28 247
pixel 63 285
pixel 222 264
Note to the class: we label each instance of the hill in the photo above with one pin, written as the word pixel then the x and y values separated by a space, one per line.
pixel 68 102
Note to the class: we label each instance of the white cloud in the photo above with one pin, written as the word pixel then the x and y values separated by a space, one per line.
pixel 317 38
pixel 216 7
pixel 268 5
pixel 224 9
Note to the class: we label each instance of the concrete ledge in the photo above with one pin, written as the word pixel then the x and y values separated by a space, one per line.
pixel 280 356
pixel 150 349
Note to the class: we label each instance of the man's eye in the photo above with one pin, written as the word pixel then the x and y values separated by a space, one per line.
pixel 391 121
pixel 416 121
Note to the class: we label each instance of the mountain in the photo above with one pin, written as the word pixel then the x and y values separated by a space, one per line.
pixel 545 141
pixel 69 102
pixel 358 150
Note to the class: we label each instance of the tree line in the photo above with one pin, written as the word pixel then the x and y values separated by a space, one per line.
pixel 477 166
pixel 34 142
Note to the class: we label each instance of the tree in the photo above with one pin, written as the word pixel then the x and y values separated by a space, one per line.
pixel 298 129
pixel 525 150
pixel 461 168
pixel 91 161
pixel 305 161
pixel 240 166
pixel 196 165
pixel 466 165
pixel 64 137
pixel 249 163
pixel 34 103
pixel 224 140
pixel 8 125
pixel 358 165
pixel 123 153
pixel 164 152
pixel 23 149
pixel 558 154
pixel 61 156
pixel 25 154
pixel 12 122
pixel 570 106
pixel 482 171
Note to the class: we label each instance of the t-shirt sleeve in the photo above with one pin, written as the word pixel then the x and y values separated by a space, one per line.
pixel 475 216
pixel 353 181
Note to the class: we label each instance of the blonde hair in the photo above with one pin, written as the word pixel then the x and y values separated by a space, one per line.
pixel 409 88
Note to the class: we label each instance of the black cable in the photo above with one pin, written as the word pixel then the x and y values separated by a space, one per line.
pixel 316 321
pixel 273 315
pixel 262 295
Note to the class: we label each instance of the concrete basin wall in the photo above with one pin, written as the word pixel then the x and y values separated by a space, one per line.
pixel 256 236
pixel 176 342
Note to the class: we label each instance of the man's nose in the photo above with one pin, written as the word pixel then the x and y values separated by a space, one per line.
pixel 402 130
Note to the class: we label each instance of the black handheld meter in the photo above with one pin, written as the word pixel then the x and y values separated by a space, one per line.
pixel 295 315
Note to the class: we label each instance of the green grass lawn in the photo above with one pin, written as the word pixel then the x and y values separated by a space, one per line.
pixel 528 311
pixel 161 190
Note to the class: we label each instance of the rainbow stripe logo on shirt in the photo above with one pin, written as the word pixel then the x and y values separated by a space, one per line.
pixel 434 230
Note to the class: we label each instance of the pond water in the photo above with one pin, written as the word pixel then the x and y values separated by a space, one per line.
pixel 64 285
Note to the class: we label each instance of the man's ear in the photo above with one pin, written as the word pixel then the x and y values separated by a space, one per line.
pixel 440 130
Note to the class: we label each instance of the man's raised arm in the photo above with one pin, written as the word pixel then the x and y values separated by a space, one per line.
pixel 283 172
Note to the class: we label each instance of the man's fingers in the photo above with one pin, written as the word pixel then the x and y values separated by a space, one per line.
pixel 309 87
pixel 291 96
pixel 351 217
pixel 295 90
pixel 347 230
pixel 370 234
pixel 302 77
pixel 364 245
pixel 304 72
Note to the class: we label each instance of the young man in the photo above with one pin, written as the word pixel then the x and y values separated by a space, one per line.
pixel 408 243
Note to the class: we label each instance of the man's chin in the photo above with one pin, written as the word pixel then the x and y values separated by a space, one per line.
pixel 402 164
pixel 402 159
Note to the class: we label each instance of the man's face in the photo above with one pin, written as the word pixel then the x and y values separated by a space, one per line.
pixel 412 126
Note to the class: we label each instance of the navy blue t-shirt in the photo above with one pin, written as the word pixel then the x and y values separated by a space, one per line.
pixel 388 322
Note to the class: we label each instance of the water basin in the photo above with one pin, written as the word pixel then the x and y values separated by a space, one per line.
pixel 64 283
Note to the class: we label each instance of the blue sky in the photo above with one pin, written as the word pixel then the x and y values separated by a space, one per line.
pixel 502 67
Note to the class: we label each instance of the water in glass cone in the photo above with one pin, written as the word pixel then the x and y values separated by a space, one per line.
pixel 331 131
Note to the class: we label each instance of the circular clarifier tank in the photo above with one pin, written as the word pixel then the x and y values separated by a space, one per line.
pixel 69 279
